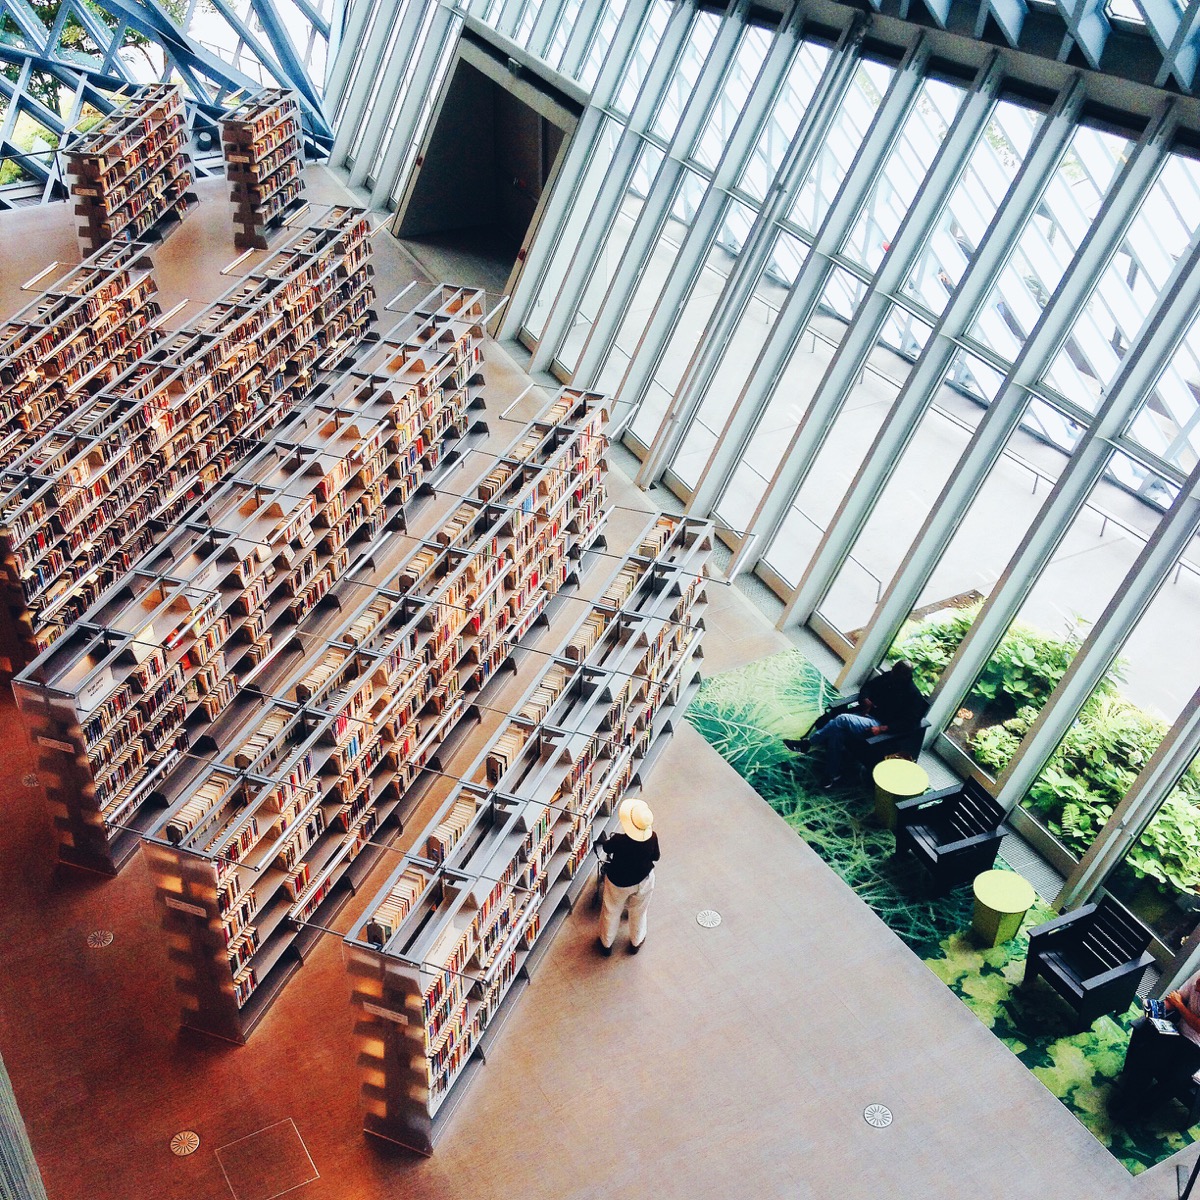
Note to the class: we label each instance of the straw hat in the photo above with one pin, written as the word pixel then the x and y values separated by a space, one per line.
pixel 636 819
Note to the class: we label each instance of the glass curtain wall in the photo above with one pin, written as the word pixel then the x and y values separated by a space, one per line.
pixel 941 403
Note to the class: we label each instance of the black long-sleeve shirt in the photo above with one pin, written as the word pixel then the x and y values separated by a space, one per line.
pixel 895 701
pixel 629 861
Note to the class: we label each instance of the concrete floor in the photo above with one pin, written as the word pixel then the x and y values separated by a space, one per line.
pixel 733 1062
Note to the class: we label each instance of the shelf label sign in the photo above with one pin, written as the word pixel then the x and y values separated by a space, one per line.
pixel 385 1013
pixel 54 744
pixel 183 906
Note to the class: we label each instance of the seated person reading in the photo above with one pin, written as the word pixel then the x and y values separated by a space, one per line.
pixel 889 702
pixel 1163 1052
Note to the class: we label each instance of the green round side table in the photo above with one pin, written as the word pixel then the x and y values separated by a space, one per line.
pixel 896 779
pixel 1002 898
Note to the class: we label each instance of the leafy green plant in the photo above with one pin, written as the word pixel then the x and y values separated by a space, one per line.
pixel 1097 761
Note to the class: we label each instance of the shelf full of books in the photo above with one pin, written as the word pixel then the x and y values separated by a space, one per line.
pixel 316 767
pixel 444 948
pixel 81 503
pixel 73 338
pixel 149 671
pixel 263 163
pixel 130 176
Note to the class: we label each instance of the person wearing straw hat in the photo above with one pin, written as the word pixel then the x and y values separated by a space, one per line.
pixel 629 878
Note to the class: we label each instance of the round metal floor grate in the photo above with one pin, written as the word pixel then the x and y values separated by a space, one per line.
pixel 29 780
pixel 185 1143
pixel 99 938
pixel 709 918
pixel 877 1116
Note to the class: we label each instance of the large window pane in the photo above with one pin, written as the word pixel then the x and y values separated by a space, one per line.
pixel 1168 423
pixel 731 98
pixel 810 355
pixel 991 168
pixel 781 125
pixel 652 279
pixel 1087 566
pixel 597 49
pixel 927 462
pixel 568 244
pixel 1117 731
pixel 643 53
pixel 693 318
pixel 738 357
pixel 687 70
pixel 906 165
pixel 1049 240
pixel 991 529
pixel 612 254
pixel 850 125
pixel 1159 878
pixel 1129 286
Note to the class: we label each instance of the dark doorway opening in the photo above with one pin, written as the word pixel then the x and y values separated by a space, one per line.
pixel 488 159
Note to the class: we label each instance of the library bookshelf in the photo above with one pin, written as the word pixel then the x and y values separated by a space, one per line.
pixel 264 843
pixel 130 176
pixel 72 340
pixel 264 158
pixel 446 946
pixel 82 502
pixel 134 695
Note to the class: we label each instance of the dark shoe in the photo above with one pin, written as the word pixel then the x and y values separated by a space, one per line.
pixel 603 949
pixel 634 949
pixel 797 745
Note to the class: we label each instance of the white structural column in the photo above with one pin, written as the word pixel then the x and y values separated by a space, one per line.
pixel 1169 322
pixel 565 195
pixel 586 26
pixel 806 293
pixel 772 358
pixel 543 27
pixel 612 192
pixel 1176 752
pixel 739 286
pixel 862 335
pixel 442 23
pixel 370 54
pixel 1151 570
pixel 337 74
pixel 1005 413
pixel 391 74
pixel 653 217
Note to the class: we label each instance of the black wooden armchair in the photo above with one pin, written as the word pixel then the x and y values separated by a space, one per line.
pixel 1094 958
pixel 954 833
pixel 904 742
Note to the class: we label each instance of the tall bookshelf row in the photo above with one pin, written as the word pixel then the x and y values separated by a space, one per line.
pixel 131 175
pixel 443 949
pixel 263 163
pixel 73 338
pixel 82 500
pixel 267 839
pixel 70 341
pixel 191 632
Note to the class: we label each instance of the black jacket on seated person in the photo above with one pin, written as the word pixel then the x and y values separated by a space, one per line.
pixel 892 700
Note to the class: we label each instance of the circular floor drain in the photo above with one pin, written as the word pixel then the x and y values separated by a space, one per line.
pixel 99 938
pixel 709 918
pixel 30 780
pixel 185 1143
pixel 877 1116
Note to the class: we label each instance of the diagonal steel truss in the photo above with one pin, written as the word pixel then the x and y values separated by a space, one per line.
pixel 65 63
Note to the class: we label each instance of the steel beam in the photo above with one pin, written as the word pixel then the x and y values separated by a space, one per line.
pixel 1005 414
pixel 1169 322
pixel 612 191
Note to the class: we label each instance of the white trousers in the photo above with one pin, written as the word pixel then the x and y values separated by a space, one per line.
pixel 615 900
